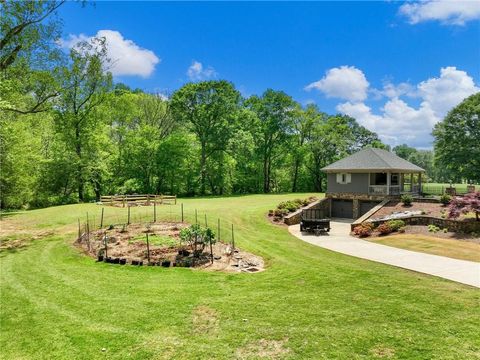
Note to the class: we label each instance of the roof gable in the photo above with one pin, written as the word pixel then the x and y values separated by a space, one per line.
pixel 372 159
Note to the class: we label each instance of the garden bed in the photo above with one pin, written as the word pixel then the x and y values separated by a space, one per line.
pixel 128 245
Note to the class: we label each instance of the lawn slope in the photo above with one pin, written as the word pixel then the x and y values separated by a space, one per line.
pixel 310 303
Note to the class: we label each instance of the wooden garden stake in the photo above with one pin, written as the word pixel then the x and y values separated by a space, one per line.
pixel 218 229
pixel 196 217
pixel 101 219
pixel 206 224
pixel 182 212
pixel 148 250
pixel 79 231
pixel 211 247
pixel 154 211
pixel 233 241
pixel 128 222
pixel 105 242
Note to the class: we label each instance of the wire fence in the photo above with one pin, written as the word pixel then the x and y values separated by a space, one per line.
pixel 439 189
pixel 110 218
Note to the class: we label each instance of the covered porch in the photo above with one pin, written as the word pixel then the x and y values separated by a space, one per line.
pixel 395 183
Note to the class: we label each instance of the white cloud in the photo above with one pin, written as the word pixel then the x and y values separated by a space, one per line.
pixel 197 72
pixel 344 82
pixel 398 122
pixel 447 11
pixel 128 59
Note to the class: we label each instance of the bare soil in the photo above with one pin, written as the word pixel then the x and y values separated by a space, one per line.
pixel 430 209
pixel 129 243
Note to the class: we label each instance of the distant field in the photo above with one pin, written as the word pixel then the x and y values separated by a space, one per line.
pixel 309 303
pixel 439 188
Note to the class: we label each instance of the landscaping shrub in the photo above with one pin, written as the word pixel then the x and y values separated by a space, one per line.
pixel 445 199
pixel 406 199
pixel 395 225
pixel 271 212
pixel 402 229
pixel 384 229
pixel 362 230
pixel 433 228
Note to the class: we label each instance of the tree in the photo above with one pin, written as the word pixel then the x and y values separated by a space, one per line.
pixel 404 151
pixel 457 138
pixel 464 205
pixel 208 108
pixel 29 55
pixel 275 111
pixel 84 86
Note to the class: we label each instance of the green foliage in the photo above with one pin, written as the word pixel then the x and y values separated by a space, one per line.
pixel 197 237
pixel 445 199
pixel 433 228
pixel 456 140
pixel 395 225
pixel 406 199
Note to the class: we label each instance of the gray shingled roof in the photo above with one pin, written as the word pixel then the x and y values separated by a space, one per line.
pixel 372 159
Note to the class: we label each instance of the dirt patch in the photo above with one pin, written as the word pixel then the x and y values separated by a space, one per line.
pixel 204 320
pixel 263 349
pixel 382 352
pixel 128 245
pixel 425 208
pixel 17 240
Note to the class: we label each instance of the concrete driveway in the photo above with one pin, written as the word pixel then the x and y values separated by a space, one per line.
pixel 339 240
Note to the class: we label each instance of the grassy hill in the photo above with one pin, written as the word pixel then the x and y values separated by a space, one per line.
pixel 310 303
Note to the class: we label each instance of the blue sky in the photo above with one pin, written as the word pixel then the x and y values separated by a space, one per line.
pixel 395 67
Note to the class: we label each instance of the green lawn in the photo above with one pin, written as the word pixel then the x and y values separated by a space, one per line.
pixel 310 303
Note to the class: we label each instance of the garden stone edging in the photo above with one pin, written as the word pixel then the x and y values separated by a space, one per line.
pixel 295 217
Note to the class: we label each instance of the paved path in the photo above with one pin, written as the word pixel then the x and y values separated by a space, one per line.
pixel 339 240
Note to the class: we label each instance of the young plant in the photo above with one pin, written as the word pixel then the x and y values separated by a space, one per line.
pixel 406 199
pixel 445 199
pixel 395 225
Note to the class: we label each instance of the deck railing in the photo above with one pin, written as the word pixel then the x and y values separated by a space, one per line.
pixel 394 189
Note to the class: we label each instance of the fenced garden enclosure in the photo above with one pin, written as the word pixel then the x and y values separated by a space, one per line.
pixel 440 189
pixel 153 235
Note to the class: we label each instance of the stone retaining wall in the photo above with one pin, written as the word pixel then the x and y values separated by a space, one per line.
pixel 452 225
pixel 295 217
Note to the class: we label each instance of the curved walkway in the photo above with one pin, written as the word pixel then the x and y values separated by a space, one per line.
pixel 339 240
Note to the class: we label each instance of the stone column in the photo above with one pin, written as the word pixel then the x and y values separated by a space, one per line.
pixel 388 182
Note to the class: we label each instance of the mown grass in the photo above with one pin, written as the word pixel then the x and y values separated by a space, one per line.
pixel 457 249
pixel 58 304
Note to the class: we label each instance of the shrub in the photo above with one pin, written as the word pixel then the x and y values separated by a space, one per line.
pixel 384 229
pixel 445 199
pixel 407 199
pixel 396 224
pixel 270 212
pixel 362 230
pixel 433 228
pixel 402 229
pixel 280 212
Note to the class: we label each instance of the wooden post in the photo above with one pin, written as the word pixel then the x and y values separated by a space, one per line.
pixel 233 241
pixel 206 224
pixel 154 211
pixel 111 200
pixel 175 199
pixel 101 219
pixel 88 234
pixel 218 229
pixel 148 199
pixel 128 222
pixel 105 243
pixel 211 247
pixel 148 250
pixel 124 200
pixel 79 231
pixel 182 212
pixel 196 217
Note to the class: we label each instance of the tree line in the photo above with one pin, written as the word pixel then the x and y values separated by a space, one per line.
pixel 68 133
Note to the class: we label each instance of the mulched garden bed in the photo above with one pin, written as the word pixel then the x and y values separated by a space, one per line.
pixel 423 230
pixel 427 208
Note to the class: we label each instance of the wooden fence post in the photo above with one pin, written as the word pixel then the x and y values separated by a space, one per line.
pixel 233 241
pixel 196 217
pixel 101 219
pixel 218 229
pixel 182 212
pixel 206 224
pixel 211 247
pixel 128 221
pixel 79 231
